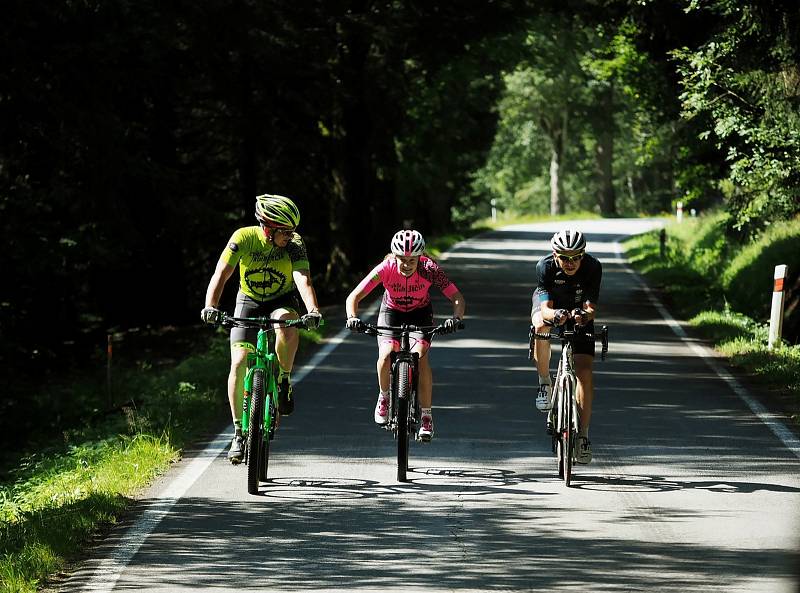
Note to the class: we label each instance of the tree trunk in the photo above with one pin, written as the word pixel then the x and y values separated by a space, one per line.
pixel 555 182
pixel 604 152
pixel 557 133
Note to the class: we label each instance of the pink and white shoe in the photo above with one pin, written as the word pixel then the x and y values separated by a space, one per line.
pixel 425 433
pixel 382 410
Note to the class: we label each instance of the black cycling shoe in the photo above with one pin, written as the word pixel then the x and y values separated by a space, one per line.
pixel 235 452
pixel 285 399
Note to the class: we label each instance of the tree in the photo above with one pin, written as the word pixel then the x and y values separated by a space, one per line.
pixel 744 82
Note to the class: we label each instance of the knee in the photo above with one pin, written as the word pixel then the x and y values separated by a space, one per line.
pixel 238 359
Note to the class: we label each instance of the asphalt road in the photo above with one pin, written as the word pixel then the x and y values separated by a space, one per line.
pixel 689 488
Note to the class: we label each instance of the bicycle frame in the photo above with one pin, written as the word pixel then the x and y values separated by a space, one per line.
pixel 260 395
pixel 563 415
pixel 404 409
pixel 263 357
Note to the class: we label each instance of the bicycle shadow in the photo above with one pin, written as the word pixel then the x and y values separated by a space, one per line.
pixel 638 483
pixel 469 481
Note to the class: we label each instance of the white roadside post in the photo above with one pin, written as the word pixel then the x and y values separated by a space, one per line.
pixel 493 202
pixel 679 212
pixel 776 315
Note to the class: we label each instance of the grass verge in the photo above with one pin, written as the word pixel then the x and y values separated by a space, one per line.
pixel 687 277
pixel 55 499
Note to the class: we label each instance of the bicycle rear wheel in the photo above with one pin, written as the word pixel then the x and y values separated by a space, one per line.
pixel 403 382
pixel 255 434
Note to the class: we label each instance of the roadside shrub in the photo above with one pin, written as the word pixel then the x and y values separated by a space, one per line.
pixel 747 281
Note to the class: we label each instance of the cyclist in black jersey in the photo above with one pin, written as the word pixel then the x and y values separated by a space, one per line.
pixel 273 271
pixel 567 287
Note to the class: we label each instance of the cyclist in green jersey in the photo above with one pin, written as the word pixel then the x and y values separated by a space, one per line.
pixel 273 270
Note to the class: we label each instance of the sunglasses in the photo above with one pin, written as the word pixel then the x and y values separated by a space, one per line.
pixel 277 230
pixel 570 258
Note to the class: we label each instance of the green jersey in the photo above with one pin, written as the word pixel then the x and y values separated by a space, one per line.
pixel 265 270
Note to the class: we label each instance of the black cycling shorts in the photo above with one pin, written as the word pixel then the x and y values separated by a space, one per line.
pixel 420 317
pixel 249 307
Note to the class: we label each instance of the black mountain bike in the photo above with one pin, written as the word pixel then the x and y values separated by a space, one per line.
pixel 563 421
pixel 404 409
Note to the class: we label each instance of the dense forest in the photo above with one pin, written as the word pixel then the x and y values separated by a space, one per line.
pixel 135 136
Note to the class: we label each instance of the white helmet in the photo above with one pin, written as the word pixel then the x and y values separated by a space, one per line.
pixel 568 242
pixel 407 243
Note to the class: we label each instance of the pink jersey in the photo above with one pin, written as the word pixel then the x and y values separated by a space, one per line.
pixel 407 293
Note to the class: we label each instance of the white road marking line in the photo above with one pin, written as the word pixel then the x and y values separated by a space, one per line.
pixel 772 421
pixel 106 575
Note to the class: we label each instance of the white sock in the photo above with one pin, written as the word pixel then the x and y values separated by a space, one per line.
pixel 544 380
pixel 427 412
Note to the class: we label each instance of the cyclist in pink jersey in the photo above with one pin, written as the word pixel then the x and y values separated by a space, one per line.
pixel 407 276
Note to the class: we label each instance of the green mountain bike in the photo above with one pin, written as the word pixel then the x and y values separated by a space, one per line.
pixel 260 398
pixel 563 420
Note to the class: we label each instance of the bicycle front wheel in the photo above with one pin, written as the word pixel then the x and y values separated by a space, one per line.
pixel 255 436
pixel 403 383
pixel 269 422
pixel 567 434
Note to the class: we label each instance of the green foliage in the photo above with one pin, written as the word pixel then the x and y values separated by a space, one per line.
pixel 703 268
pixel 744 82
pixel 56 502
pixel 690 277
pixel 56 498
pixel 728 326
pixel 747 280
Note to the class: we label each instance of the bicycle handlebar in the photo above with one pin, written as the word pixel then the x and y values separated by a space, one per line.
pixel 432 330
pixel 266 323
pixel 566 335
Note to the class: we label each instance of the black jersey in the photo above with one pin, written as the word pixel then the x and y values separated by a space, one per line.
pixel 568 292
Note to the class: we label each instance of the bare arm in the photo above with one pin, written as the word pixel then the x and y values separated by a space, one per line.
pixel 217 283
pixel 459 305
pixel 302 279
pixel 353 299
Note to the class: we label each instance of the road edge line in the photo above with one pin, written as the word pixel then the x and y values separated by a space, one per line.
pixel 771 420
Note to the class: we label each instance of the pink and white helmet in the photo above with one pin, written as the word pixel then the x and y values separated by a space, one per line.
pixel 407 243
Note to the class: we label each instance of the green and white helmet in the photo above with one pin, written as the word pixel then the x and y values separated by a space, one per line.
pixel 277 212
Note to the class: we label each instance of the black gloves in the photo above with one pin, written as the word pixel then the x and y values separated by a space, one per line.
pixel 354 324
pixel 312 319
pixel 560 316
pixel 211 315
pixel 450 325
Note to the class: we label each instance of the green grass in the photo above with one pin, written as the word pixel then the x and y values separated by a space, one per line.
pixel 692 277
pixel 57 499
